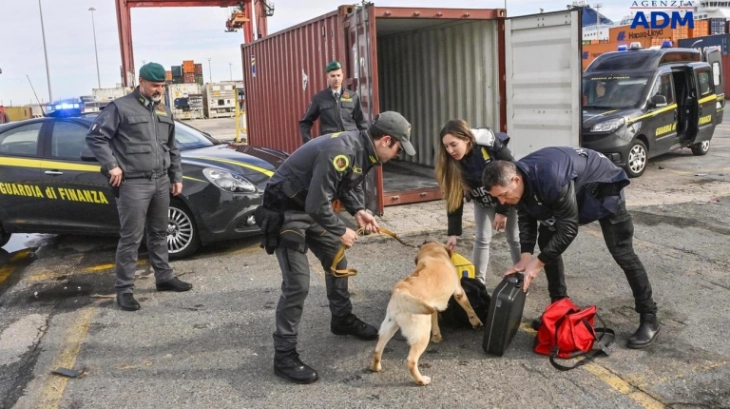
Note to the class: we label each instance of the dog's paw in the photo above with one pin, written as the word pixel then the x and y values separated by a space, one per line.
pixel 476 323
pixel 436 338
pixel 425 380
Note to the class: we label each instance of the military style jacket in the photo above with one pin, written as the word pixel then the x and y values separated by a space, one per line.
pixel 564 188
pixel 137 135
pixel 327 168
pixel 334 115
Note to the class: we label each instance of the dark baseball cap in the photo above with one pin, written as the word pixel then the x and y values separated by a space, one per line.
pixel 394 124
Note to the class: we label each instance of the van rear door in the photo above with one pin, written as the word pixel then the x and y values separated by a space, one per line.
pixel 543 74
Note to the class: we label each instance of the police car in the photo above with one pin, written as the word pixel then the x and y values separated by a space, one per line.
pixel 51 183
pixel 641 103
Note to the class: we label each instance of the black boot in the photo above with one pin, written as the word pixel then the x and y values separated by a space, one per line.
pixel 288 366
pixel 647 332
pixel 351 325
pixel 175 285
pixel 127 302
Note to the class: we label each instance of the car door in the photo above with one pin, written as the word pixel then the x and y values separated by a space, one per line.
pixel 82 198
pixel 664 119
pixel 707 103
pixel 21 196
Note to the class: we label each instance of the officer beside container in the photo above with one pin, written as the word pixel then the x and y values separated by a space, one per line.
pixel 134 141
pixel 337 108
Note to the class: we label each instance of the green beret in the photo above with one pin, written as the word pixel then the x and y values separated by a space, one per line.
pixel 152 72
pixel 334 65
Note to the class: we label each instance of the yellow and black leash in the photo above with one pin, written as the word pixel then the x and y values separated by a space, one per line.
pixel 351 272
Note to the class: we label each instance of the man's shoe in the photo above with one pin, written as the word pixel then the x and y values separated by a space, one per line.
pixel 127 302
pixel 646 334
pixel 175 284
pixel 288 366
pixel 351 325
pixel 535 324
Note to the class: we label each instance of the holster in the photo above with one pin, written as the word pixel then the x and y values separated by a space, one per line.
pixel 270 222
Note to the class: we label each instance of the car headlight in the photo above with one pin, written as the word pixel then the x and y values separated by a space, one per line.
pixel 608 126
pixel 228 181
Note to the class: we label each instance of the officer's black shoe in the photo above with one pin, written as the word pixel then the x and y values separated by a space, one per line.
pixel 288 366
pixel 127 302
pixel 351 325
pixel 647 332
pixel 175 284
pixel 535 324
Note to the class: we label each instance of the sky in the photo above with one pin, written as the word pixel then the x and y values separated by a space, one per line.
pixel 164 35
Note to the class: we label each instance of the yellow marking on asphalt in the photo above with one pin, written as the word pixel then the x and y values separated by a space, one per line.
pixel 613 380
pixel 54 386
pixel 243 250
pixel 656 380
pixel 93 269
pixel 6 272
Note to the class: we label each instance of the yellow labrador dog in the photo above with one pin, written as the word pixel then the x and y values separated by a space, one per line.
pixel 415 303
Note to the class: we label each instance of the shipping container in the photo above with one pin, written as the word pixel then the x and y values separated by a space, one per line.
pixel 219 100
pixel 168 75
pixel 189 67
pixel 718 26
pixel 189 77
pixel 431 65
pixel 110 94
pixel 628 35
pixel 726 74
pixel 177 70
pixel 198 69
pixel 185 101
pixel 702 43
pixel 701 29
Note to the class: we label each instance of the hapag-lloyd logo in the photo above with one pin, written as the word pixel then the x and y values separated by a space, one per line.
pixel 663 13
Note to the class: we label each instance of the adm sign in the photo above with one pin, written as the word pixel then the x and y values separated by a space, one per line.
pixel 662 19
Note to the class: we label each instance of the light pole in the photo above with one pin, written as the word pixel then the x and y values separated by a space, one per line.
pixel 210 73
pixel 93 27
pixel 45 52
pixel 230 69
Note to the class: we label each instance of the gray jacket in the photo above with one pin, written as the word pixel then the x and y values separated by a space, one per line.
pixel 334 115
pixel 137 135
pixel 325 168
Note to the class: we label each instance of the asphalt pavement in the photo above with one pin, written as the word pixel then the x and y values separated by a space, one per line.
pixel 212 347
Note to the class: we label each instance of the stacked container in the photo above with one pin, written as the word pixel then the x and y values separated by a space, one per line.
pixel 718 26
pixel 702 43
pixel 219 100
pixel 185 101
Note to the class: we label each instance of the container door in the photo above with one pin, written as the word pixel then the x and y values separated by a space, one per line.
pixel 543 74
pixel 362 77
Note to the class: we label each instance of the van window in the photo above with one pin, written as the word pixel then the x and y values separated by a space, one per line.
pixel 613 92
pixel 664 86
pixel 716 72
pixel 704 82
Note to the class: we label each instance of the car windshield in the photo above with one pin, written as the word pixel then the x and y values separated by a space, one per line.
pixel 613 92
pixel 188 138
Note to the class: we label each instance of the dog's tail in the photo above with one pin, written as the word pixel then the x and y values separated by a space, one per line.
pixel 413 304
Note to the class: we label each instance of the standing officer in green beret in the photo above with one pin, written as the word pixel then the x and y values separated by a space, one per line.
pixel 338 109
pixel 134 141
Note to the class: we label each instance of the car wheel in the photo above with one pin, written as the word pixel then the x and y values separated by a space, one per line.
pixel 700 149
pixel 638 157
pixel 182 233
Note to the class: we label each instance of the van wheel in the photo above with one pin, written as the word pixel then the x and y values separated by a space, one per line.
pixel 182 233
pixel 700 149
pixel 638 157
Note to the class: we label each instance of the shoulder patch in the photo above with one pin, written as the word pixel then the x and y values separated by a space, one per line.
pixel 485 154
pixel 163 113
pixel 341 162
pixel 335 135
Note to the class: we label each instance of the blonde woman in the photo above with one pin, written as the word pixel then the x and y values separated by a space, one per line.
pixel 463 155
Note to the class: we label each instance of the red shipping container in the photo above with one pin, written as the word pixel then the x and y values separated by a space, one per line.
pixel 198 69
pixel 189 77
pixel 431 65
pixel 726 74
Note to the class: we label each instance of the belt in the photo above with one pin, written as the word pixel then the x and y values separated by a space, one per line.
pixel 150 176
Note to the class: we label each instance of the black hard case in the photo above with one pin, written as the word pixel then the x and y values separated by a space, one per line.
pixel 505 314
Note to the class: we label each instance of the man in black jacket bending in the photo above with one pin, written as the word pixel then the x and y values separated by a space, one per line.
pixel 562 188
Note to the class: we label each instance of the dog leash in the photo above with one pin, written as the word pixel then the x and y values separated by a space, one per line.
pixel 351 272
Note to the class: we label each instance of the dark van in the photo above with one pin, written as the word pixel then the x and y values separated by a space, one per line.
pixel 641 103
